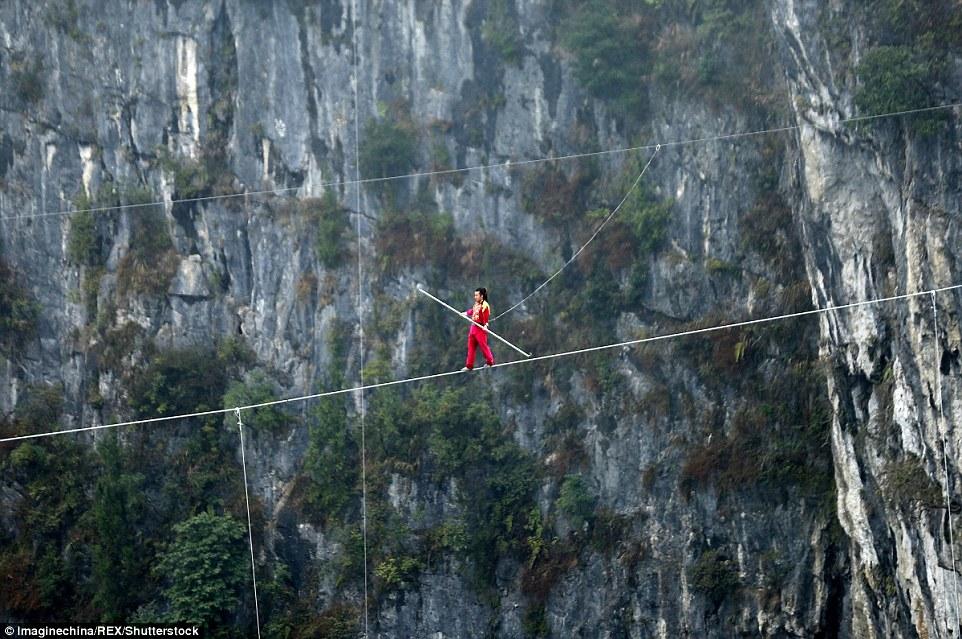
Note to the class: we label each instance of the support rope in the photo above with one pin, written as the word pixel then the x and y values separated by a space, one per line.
pixel 250 528
pixel 590 239
pixel 360 307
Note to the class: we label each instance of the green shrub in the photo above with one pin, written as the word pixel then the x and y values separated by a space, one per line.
pixel 906 484
pixel 331 461
pixel 330 221
pixel 534 623
pixel 897 78
pixel 151 262
pixel 416 239
pixel 500 31
pixel 935 25
pixel 648 220
pixel 28 81
pixel 18 312
pixel 83 245
pixel 394 572
pixel 714 575
pixel 42 570
pixel 178 381
pixel 610 55
pixel 206 566
pixel 256 388
pixel 191 178
pixel 337 622
pixel 387 149
pixel 119 565
pixel 575 502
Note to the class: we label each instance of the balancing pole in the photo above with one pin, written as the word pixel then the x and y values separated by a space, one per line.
pixel 465 317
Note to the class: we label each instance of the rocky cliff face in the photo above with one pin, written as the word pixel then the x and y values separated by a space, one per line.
pixel 779 480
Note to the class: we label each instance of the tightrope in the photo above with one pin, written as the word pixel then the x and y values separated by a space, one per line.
pixel 481 167
pixel 409 380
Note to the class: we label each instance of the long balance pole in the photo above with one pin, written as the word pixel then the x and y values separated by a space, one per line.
pixel 465 317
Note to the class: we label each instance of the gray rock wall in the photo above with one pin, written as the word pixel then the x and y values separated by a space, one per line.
pixel 266 89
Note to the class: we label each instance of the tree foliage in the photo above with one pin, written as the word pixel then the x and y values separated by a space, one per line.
pixel 206 567
pixel 118 560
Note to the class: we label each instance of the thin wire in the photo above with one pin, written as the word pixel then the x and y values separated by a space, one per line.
pixel 590 239
pixel 250 528
pixel 360 306
pixel 409 380
pixel 484 167
pixel 945 457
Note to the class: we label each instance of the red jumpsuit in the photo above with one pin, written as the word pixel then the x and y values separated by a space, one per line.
pixel 476 336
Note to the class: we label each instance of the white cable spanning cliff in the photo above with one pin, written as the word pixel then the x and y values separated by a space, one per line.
pixel 360 303
pixel 409 380
pixel 479 167
pixel 607 219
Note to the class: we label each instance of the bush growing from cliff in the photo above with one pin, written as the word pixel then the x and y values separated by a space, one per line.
pixel 330 463
pixel 27 79
pixel 575 501
pixel 714 575
pixel 18 311
pixel 500 31
pixel 206 567
pixel 897 78
pixel 387 149
pixel 118 564
pixel 178 381
pixel 610 55
pixel 41 568
pixel 330 221
pixel 83 244
pixel 256 388
pixel 416 239
pixel 151 262
pixel 907 484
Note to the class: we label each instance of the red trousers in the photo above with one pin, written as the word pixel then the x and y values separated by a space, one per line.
pixel 475 340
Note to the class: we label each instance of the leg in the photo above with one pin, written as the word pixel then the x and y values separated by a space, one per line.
pixel 472 344
pixel 485 350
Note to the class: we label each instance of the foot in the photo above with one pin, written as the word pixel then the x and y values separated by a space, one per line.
pixel 465 369
pixel 487 365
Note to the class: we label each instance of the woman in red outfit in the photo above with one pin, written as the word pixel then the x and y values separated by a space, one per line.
pixel 476 336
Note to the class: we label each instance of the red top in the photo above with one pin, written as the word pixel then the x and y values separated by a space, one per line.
pixel 480 314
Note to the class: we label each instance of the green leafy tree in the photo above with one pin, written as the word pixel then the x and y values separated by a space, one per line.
pixel 256 388
pixel 575 501
pixel 206 567
pixel 330 463
pixel 118 565
pixel 18 312
pixel 178 381
pixel 610 54
pixel 897 78
pixel 387 149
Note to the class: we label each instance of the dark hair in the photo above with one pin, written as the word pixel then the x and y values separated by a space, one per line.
pixel 484 293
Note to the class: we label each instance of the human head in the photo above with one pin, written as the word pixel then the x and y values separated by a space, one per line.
pixel 483 292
